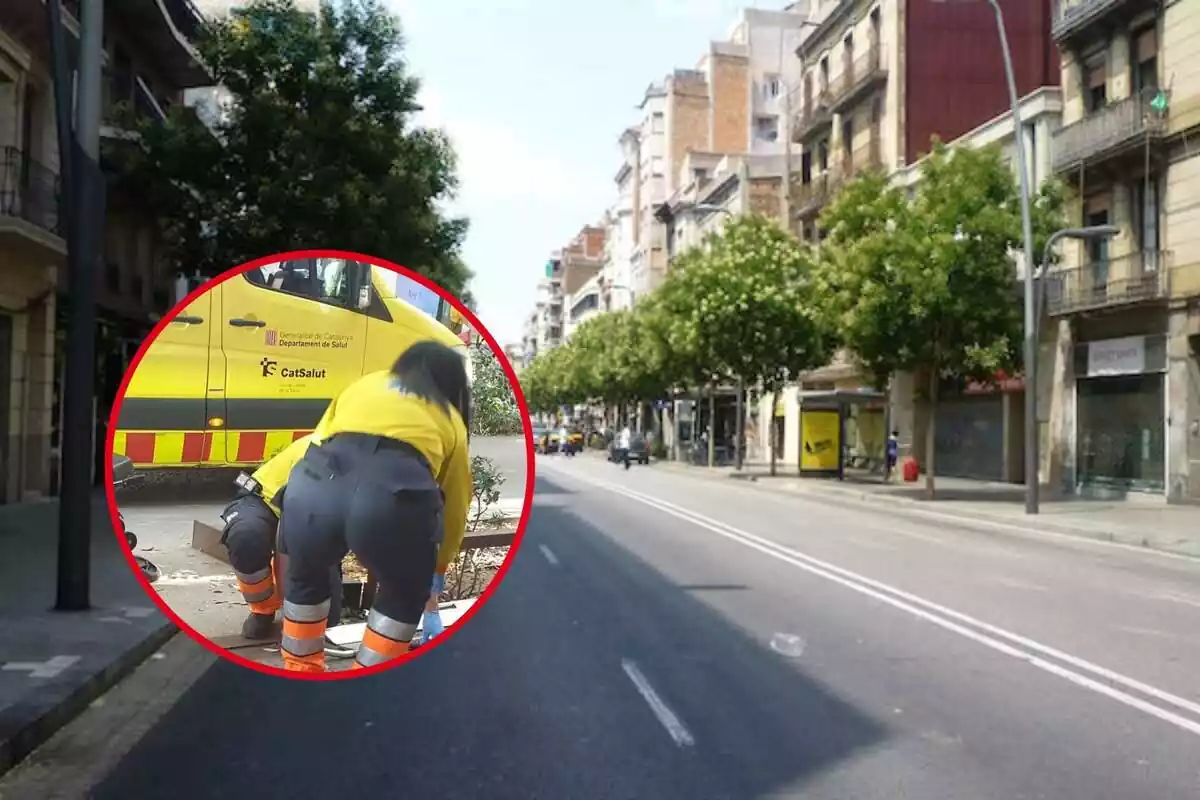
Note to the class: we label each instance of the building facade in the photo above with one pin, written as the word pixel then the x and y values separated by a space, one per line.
pixel 1124 328
pixel 880 79
pixel 148 61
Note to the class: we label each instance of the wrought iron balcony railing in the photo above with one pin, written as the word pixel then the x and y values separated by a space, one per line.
pixel 816 115
pixel 1072 17
pixel 30 191
pixel 1109 131
pixel 1138 277
pixel 858 76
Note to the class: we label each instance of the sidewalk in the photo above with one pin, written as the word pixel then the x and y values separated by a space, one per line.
pixel 1141 521
pixel 54 664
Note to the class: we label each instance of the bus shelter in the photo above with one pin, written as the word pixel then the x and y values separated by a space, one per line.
pixel 840 430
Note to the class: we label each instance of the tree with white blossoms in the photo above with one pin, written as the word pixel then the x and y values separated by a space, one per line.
pixel 743 306
pixel 495 411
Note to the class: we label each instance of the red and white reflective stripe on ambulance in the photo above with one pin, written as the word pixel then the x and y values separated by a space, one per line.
pixel 204 448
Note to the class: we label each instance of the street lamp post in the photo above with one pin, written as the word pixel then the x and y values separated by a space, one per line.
pixel 1032 486
pixel 739 427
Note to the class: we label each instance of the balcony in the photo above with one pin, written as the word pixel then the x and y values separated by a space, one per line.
pixel 160 32
pixel 124 98
pixel 811 197
pixel 1072 19
pixel 817 116
pixel 1140 277
pixel 858 78
pixel 1111 132
pixel 30 212
pixel 166 38
pixel 864 158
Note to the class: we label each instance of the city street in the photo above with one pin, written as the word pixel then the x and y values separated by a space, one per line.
pixel 653 640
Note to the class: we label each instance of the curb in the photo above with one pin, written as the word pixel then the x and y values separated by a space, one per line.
pixel 33 723
pixel 916 508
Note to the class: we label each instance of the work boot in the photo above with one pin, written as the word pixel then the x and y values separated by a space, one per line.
pixel 258 626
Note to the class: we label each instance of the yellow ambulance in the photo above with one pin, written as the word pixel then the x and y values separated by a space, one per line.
pixel 250 365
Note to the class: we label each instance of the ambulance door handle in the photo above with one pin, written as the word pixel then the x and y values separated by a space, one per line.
pixel 189 320
pixel 247 323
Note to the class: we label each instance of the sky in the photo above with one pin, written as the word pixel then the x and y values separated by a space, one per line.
pixel 534 95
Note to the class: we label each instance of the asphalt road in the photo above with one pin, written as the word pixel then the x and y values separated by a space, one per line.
pixel 662 636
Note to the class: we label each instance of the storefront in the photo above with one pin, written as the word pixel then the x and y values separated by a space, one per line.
pixel 1120 414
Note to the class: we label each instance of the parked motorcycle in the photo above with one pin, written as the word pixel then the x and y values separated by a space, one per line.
pixel 124 476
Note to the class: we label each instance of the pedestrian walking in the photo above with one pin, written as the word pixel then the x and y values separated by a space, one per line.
pixel 892 455
pixel 388 477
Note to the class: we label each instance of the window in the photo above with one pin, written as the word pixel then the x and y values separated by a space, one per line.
pixel 658 123
pixel 1145 60
pixel 1147 200
pixel 700 175
pixel 324 279
pixel 1095 80
pixel 847 137
pixel 333 281
pixel 656 165
pixel 766 128
pixel 771 87
pixel 806 167
pixel 824 73
pixel 1097 249
pixel 823 155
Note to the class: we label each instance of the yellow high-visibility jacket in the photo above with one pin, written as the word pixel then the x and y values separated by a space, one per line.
pixel 273 475
pixel 376 406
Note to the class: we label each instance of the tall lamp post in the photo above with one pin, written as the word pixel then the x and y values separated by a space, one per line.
pixel 1031 431
pixel 1031 366
pixel 709 208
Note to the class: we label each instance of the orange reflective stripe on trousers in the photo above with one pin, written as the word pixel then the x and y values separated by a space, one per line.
pixel 303 643
pixel 260 590
pixel 383 640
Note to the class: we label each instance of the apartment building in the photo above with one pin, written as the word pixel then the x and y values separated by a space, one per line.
pixel 881 77
pixel 147 63
pixel 544 328
pixel 1124 328
pixel 621 226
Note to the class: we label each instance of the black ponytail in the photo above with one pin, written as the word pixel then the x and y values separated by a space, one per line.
pixel 437 374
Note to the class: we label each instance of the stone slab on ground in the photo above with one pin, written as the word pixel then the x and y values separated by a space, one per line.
pixel 54 664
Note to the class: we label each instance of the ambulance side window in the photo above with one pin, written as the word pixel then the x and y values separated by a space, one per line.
pixel 325 280
pixel 333 282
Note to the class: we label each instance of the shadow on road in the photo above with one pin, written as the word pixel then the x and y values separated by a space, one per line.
pixel 528 699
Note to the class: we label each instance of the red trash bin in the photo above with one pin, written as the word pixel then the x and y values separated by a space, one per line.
pixel 911 470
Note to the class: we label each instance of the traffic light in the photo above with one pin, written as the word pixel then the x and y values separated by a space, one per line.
pixel 550 269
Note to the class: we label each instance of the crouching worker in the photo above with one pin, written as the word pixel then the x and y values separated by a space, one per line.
pixel 251 523
pixel 387 478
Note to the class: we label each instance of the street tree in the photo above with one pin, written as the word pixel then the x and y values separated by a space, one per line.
pixel 495 411
pixel 752 314
pixel 928 285
pixel 317 148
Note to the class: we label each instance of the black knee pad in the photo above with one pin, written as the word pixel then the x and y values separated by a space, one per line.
pixel 249 535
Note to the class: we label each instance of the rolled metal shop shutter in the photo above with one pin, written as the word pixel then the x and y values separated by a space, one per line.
pixel 970 438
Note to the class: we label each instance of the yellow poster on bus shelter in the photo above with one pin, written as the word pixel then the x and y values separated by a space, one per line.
pixel 820 441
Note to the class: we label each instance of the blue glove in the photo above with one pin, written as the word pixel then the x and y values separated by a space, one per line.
pixel 431 626
pixel 439 584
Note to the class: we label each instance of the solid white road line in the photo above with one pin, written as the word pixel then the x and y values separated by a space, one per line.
pixel 549 554
pixel 675 728
pixel 984 633
pixel 1023 530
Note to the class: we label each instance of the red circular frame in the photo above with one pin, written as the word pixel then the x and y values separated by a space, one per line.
pixel 510 373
